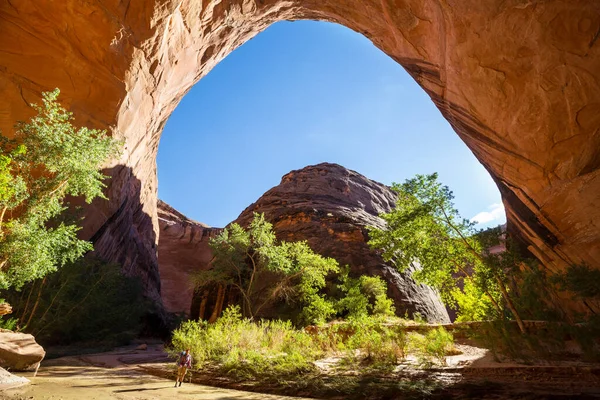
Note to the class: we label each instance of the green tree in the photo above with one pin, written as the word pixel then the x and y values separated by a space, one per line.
pixel 364 296
pixel 265 271
pixel 47 159
pixel 88 300
pixel 425 228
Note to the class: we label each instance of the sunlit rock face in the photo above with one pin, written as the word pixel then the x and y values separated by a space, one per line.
pixel 330 207
pixel 182 251
pixel 518 80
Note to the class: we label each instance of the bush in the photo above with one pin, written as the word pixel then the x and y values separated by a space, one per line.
pixel 373 344
pixel 366 295
pixel 432 347
pixel 8 323
pixel 245 348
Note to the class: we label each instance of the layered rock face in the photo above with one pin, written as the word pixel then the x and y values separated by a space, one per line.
pixel 182 250
pixel 330 207
pixel 518 80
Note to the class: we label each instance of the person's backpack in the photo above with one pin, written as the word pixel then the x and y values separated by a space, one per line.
pixel 181 358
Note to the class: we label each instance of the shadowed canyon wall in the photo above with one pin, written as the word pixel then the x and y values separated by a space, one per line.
pixel 519 80
pixel 182 250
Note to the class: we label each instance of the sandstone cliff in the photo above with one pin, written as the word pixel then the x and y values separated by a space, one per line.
pixel 518 80
pixel 330 207
pixel 182 250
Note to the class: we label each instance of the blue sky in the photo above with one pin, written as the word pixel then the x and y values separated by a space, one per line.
pixel 298 94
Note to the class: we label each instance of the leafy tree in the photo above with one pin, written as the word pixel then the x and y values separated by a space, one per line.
pixel 364 296
pixel 426 229
pixel 265 271
pixel 85 301
pixel 582 283
pixel 47 159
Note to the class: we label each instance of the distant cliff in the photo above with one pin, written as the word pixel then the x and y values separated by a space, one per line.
pixel 182 250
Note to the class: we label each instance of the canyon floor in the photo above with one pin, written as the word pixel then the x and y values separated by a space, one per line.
pixel 114 375
pixel 141 374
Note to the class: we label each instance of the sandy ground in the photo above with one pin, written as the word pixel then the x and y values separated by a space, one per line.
pixel 130 373
pixel 114 375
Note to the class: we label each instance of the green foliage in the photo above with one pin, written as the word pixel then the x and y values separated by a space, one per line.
pixel 47 160
pixel 250 349
pixel 85 301
pixel 265 272
pixel 434 346
pixel 541 297
pixel 426 230
pixel 374 344
pixel 275 355
pixel 366 295
pixel 537 294
pixel 472 303
pixel 8 323
pixel 245 348
pixel 582 280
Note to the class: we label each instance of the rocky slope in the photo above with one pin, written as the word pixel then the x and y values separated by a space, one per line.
pixel 330 207
pixel 182 250
pixel 518 80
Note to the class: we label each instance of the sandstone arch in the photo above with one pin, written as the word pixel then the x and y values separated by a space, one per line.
pixel 519 80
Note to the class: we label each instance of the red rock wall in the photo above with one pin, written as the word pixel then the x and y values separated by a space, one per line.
pixel 517 79
pixel 182 250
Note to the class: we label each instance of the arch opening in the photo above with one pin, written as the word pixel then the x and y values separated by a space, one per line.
pixel 300 94
pixel 519 84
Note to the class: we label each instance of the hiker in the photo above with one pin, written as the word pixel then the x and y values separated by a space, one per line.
pixel 184 362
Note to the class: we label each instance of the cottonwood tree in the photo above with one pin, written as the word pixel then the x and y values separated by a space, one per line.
pixel 425 228
pixel 46 160
pixel 364 296
pixel 265 271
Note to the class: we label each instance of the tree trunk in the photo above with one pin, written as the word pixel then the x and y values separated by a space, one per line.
pixel 218 304
pixel 510 305
pixel 27 302
pixel 222 301
pixel 37 301
pixel 203 305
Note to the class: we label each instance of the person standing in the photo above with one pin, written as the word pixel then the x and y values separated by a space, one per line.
pixel 183 364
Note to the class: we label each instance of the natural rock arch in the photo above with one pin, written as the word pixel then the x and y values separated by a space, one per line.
pixel 517 79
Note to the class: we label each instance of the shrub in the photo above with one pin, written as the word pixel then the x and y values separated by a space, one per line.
pixel 8 323
pixel 432 347
pixel 374 344
pixel 366 295
pixel 245 348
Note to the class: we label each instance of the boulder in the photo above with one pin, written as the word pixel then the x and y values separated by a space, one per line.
pixel 8 380
pixel 19 351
